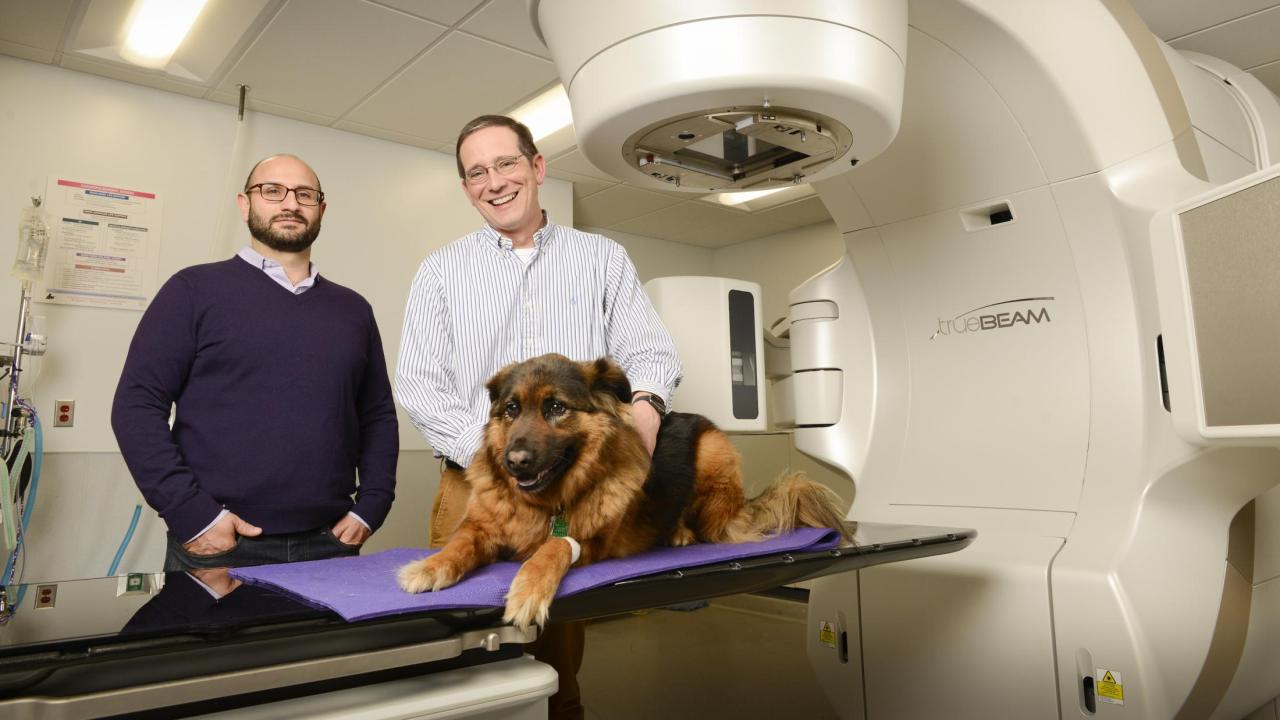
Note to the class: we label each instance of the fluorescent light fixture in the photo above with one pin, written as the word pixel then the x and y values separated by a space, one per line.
pixel 156 30
pixel 546 113
pixel 737 198
pixel 756 200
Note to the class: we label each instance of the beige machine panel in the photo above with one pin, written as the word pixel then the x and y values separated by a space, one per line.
pixel 1232 253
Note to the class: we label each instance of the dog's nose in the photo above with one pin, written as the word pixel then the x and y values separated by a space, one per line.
pixel 518 461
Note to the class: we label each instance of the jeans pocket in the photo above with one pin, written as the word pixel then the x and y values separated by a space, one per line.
pixel 328 533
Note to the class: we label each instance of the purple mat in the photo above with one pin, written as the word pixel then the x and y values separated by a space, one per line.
pixel 358 588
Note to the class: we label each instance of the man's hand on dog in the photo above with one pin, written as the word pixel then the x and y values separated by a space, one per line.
pixel 645 419
pixel 222 536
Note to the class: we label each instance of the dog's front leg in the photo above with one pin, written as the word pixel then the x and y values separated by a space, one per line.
pixel 469 548
pixel 529 599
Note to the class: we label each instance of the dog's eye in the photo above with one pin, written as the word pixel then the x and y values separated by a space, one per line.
pixel 511 410
pixel 556 409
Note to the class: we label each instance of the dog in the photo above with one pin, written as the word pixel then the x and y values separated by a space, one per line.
pixel 561 459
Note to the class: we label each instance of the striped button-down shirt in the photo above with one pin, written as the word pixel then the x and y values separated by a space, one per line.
pixel 475 306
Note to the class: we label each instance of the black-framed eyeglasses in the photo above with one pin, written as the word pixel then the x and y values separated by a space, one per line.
pixel 274 193
pixel 503 166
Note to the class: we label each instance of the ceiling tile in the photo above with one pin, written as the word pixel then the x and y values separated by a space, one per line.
pixel 575 163
pixel 1170 19
pixel 618 203
pixel 582 185
pixel 33 23
pixel 347 49
pixel 798 214
pixel 393 136
pixel 1269 75
pixel 442 11
pixel 233 98
pixel 1245 43
pixel 127 73
pixel 507 21
pixel 455 81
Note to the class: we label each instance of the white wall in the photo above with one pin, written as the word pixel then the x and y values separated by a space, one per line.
pixel 389 205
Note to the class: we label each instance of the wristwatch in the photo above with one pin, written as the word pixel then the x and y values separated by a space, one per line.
pixel 654 401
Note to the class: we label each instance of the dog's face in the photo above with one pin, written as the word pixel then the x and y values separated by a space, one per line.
pixel 544 409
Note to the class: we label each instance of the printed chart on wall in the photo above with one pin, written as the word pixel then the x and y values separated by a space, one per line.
pixel 104 245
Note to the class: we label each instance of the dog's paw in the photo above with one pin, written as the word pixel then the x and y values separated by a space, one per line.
pixel 529 600
pixel 429 573
pixel 682 536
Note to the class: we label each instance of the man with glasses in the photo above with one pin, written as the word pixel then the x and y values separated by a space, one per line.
pixel 520 287
pixel 281 396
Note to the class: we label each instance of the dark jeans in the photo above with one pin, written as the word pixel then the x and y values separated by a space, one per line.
pixel 262 550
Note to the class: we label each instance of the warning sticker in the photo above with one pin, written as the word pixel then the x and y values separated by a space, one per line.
pixel 1110 687
pixel 826 633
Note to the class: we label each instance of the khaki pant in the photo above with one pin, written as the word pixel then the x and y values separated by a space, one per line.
pixel 560 645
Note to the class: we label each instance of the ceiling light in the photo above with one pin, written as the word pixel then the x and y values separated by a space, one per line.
pixel 157 29
pixel 546 113
pixel 755 200
pixel 737 198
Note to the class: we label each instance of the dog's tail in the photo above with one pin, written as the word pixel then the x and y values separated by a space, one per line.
pixel 793 500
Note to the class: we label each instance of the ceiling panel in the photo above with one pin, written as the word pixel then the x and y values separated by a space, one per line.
pixel 36 24
pixel 455 81
pixel 1170 19
pixel 442 11
pixel 507 21
pixel 575 163
pixel 324 56
pixel 618 203
pixel 1245 43
pixel 1269 75
pixel 582 185
pixel 798 214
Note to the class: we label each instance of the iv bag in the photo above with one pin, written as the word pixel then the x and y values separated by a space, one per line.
pixel 33 243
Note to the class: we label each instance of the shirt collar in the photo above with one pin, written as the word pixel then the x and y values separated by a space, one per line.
pixel 541 237
pixel 275 270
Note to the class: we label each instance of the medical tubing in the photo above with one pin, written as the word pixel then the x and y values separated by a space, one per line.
pixel 36 433
pixel 13 478
pixel 128 536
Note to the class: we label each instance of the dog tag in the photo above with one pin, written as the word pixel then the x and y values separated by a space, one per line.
pixel 559 526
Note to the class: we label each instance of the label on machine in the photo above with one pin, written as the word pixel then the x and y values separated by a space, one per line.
pixel 1110 687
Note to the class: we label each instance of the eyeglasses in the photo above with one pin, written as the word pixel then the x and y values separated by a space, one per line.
pixel 504 166
pixel 274 193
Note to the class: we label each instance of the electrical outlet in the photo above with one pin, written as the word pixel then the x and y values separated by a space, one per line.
pixel 64 413
pixel 46 596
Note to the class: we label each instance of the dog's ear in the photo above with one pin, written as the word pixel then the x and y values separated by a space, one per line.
pixel 607 383
pixel 498 382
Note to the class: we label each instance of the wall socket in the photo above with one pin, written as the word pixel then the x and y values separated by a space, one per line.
pixel 46 596
pixel 64 413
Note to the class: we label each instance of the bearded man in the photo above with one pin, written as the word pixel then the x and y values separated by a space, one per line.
pixel 281 395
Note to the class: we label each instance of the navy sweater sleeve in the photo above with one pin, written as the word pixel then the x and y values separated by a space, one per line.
pixel 379 436
pixel 155 371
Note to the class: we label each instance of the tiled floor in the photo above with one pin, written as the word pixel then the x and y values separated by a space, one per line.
pixel 742 658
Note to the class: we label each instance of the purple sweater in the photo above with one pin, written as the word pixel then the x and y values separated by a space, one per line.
pixel 280 398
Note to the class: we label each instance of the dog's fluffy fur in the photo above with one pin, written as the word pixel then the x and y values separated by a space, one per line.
pixel 559 441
